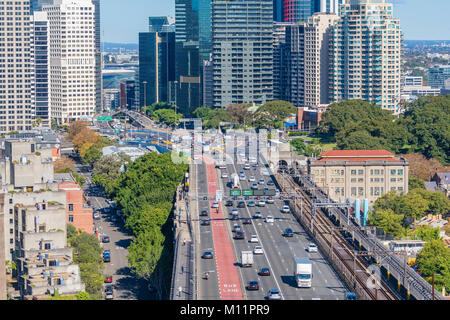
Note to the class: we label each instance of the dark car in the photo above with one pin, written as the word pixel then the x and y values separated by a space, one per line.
pixel 264 272
pixel 109 288
pixel 239 235
pixel 241 204
pixel 105 239
pixel 207 255
pixel 288 233
pixel 229 203
pixel 107 258
pixel 204 213
pixel 253 285
pixel 270 183
pixel 205 222
pixel 247 221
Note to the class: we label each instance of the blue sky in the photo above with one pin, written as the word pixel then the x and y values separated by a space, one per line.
pixel 122 20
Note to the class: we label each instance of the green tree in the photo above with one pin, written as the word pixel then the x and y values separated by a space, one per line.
pixel 167 116
pixel 434 258
pixel 415 183
pixel 108 169
pixel 427 233
pixel 389 221
pixel 428 122
pixel 273 113
pixel 83 296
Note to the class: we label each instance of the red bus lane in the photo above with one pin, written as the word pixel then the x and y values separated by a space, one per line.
pixel 230 288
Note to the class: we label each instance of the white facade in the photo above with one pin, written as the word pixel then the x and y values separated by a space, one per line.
pixel 317 33
pixel 16 67
pixel 330 6
pixel 72 59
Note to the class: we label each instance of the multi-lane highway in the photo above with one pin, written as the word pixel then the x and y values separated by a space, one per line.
pixel 279 252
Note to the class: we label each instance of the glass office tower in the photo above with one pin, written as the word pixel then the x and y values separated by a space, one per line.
pixel 299 10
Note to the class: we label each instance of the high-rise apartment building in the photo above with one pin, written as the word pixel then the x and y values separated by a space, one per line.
pixel 278 10
pixel 330 6
pixel 17 108
pixel 294 90
pixel 365 54
pixel 242 36
pixel 299 10
pixel 73 59
pixel 317 31
pixel 98 58
pixel 156 63
pixel 41 66
pixel 280 60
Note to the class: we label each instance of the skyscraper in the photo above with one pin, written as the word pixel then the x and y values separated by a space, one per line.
pixel 278 10
pixel 317 35
pixel 37 5
pixel 41 66
pixel 294 91
pixel 17 108
pixel 365 54
pixel 156 62
pixel 437 75
pixel 73 65
pixel 280 60
pixel 98 59
pixel 299 10
pixel 242 51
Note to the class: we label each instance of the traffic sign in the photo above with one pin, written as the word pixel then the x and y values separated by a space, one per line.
pixel 104 119
pixel 247 192
pixel 270 193
pixel 258 192
pixel 235 192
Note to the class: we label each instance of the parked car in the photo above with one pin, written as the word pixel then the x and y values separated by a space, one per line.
pixel 264 272
pixel 274 294
pixel 106 258
pixel 258 250
pixel 253 285
pixel 207 255
pixel 96 215
pixel 312 248
pixel 108 279
pixel 105 239
pixel 288 233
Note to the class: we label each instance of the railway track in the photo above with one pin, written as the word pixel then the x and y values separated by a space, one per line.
pixel 340 253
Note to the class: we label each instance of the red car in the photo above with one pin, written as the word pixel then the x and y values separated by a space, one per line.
pixel 108 279
pixel 253 285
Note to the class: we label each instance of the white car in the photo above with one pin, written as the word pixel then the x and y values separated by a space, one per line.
pixel 270 219
pixel 224 175
pixel 270 200
pixel 285 209
pixel 251 179
pixel 215 205
pixel 312 248
pixel 258 250
pixel 254 239
pixel 261 203
pixel 241 178
pixel 247 167
pixel 261 181
pixel 235 211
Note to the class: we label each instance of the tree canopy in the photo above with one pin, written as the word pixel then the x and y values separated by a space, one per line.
pixel 272 114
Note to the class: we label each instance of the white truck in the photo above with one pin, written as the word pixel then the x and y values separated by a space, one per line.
pixel 235 181
pixel 303 272
pixel 247 258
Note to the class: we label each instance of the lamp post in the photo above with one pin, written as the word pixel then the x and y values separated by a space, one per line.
pixel 145 94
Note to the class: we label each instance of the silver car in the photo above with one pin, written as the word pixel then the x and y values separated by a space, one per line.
pixel 274 294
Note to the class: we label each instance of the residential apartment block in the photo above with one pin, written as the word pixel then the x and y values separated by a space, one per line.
pixel 73 59
pixel 242 40
pixel 359 174
pixel 365 54
pixel 17 108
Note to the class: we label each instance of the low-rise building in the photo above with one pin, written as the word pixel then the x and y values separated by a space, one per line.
pixel 419 91
pixel 78 212
pixel 359 174
pixel 442 180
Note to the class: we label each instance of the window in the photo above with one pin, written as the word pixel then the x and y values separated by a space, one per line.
pixel 360 179
pixel 353 172
pixel 393 172
pixel 353 179
pixel 10 201
pixel 71 218
pixel 360 172
pixel 353 191
pixel 48 246
pixel 400 172
pixel 360 191
pixel 70 207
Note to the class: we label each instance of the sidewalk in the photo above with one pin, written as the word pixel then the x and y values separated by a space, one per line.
pixel 183 251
